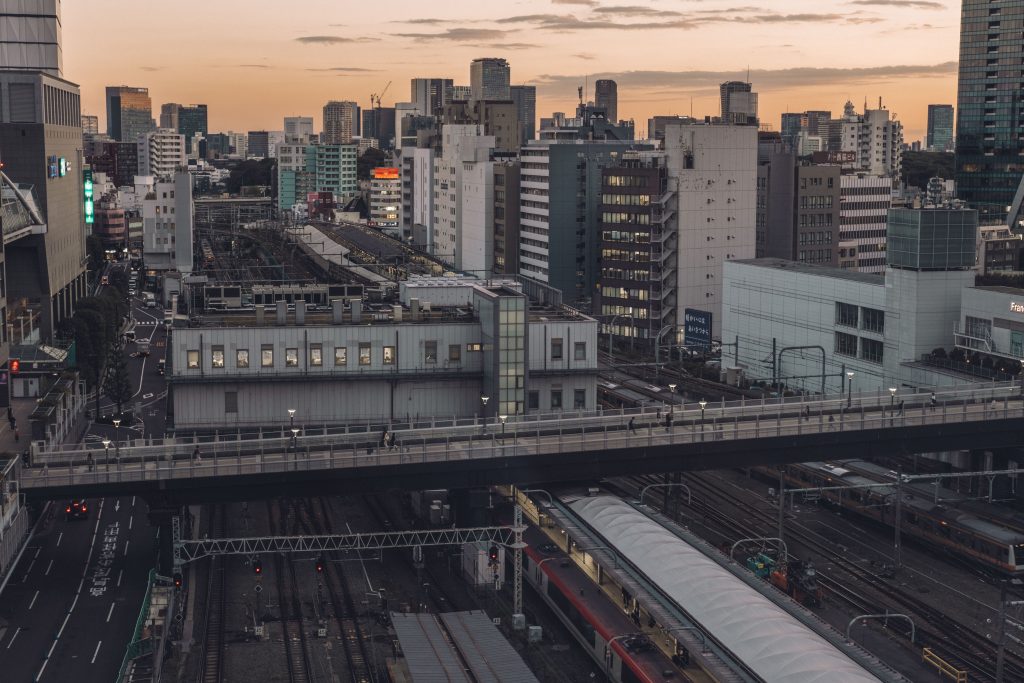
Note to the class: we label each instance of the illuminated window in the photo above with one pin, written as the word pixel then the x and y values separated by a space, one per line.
pixel 242 358
pixel 217 357
pixel 291 358
pixel 364 353
pixel 193 360
pixel 267 356
pixel 340 356
pixel 389 355
pixel 316 355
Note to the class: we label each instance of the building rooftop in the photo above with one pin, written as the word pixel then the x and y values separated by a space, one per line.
pixel 1002 289
pixel 814 269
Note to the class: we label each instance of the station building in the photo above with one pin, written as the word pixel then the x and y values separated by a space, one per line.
pixel 922 324
pixel 450 347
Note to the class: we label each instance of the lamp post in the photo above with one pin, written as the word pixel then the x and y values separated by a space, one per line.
pixel 117 442
pixel 503 418
pixel 483 410
pixel 295 440
pixel 291 417
pixel 703 404
pixel 106 453
pixel 672 388
pixel 892 405
pixel 849 391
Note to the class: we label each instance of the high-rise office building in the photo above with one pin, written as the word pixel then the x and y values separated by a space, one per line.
pixel 431 95
pixel 192 119
pixel 988 146
pixel 525 99
pixel 341 122
pixel 41 148
pixel 738 103
pixel 169 115
pixel 461 93
pixel 298 127
pixel 258 144
pixel 129 113
pixel 606 94
pixel 940 128
pixel 90 124
pixel 31 35
pixel 489 79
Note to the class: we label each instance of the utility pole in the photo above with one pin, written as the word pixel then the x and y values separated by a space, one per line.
pixel 517 558
pixel 782 501
pixel 899 517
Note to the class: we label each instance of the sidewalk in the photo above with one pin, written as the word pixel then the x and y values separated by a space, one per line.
pixel 22 408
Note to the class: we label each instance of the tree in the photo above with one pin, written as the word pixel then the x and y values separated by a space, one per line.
pixel 119 281
pixel 918 167
pixel 258 172
pixel 116 384
pixel 97 254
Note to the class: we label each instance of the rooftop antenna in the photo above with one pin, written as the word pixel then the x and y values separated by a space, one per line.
pixel 748 74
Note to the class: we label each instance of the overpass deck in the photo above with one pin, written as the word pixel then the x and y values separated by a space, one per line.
pixel 571 448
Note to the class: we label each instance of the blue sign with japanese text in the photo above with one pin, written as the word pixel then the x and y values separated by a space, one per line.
pixel 697 328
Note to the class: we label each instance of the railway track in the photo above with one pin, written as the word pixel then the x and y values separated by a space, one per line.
pixel 213 636
pixel 947 636
pixel 313 517
pixel 296 648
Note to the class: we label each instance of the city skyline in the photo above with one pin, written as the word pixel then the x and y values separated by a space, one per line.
pixel 666 56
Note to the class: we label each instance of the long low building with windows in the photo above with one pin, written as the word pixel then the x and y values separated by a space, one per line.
pixel 450 347
pixel 922 324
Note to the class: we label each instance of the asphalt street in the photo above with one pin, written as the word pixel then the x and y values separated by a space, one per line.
pixel 71 604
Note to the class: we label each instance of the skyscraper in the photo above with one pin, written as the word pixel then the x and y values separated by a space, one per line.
pixel 489 79
pixel 192 119
pixel 940 127
pixel 606 94
pixel 431 94
pixel 988 149
pixel 90 124
pixel 298 127
pixel 169 115
pixel 129 112
pixel 30 39
pixel 738 102
pixel 341 122
pixel 525 99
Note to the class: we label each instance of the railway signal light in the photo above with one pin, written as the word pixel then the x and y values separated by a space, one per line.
pixel 320 565
pixel 177 579
pixel 257 567
pixel 492 555
pixel 15 366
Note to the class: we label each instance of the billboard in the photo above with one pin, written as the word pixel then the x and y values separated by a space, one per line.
pixel 385 173
pixel 697 328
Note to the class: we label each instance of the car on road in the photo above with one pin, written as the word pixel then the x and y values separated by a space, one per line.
pixel 76 509
pixel 150 299
pixel 161 366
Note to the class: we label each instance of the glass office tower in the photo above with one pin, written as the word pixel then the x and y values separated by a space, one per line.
pixel 990 113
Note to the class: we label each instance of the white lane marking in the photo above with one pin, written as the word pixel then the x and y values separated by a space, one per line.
pixel 119 572
pixel 110 613
pixel 117 505
pixel 96 652
pixel 16 632
pixel 48 568
pixel 59 537
pixel 30 565
pixel 38 550
pixel 126 547
pixel 32 604
pixel 133 501
pixel 130 520
pixel 149 395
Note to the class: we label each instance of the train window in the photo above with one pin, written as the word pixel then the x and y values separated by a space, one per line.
pixel 217 357
pixel 193 360
pixel 291 358
pixel 316 355
pixel 340 355
pixel 242 358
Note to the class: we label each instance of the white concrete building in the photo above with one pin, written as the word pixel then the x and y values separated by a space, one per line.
pixel 797 322
pixel 421 195
pixel 167 224
pixel 476 234
pixel 465 148
pixel 712 173
pixel 875 139
pixel 864 205
pixel 451 342
pixel 403 109
pixel 161 153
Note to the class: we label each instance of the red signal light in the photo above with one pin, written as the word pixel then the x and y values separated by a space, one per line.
pixel 257 567
pixel 15 366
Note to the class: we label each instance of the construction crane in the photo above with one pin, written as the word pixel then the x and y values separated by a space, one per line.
pixel 375 98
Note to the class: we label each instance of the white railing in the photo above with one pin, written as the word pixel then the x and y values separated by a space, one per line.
pixel 568 435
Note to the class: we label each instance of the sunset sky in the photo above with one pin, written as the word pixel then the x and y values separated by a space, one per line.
pixel 256 61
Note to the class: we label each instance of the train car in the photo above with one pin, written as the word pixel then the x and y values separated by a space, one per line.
pixel 961 532
pixel 630 659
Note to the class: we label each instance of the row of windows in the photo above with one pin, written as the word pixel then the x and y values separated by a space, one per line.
pixel 579 399
pixel 625 236
pixel 315 356
pixel 626 181
pixel 626 293
pixel 871 350
pixel 626 199
pixel 626 255
pixel 816 256
pixel 610 217
pixel 813 220
pixel 851 315
pixel 817 202
pixel 820 237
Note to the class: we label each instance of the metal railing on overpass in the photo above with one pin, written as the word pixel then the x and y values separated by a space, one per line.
pixel 569 434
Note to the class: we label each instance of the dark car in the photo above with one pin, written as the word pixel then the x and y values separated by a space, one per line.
pixel 77 509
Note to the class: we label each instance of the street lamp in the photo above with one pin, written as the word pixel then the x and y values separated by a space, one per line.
pixel 503 418
pixel 291 417
pixel 483 410
pixel 295 440
pixel 703 404
pixel 106 453
pixel 117 442
pixel 892 403
pixel 849 391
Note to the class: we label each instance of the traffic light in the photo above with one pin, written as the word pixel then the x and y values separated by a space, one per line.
pixel 15 366
pixel 320 565
pixel 492 555
pixel 257 567
pixel 177 580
